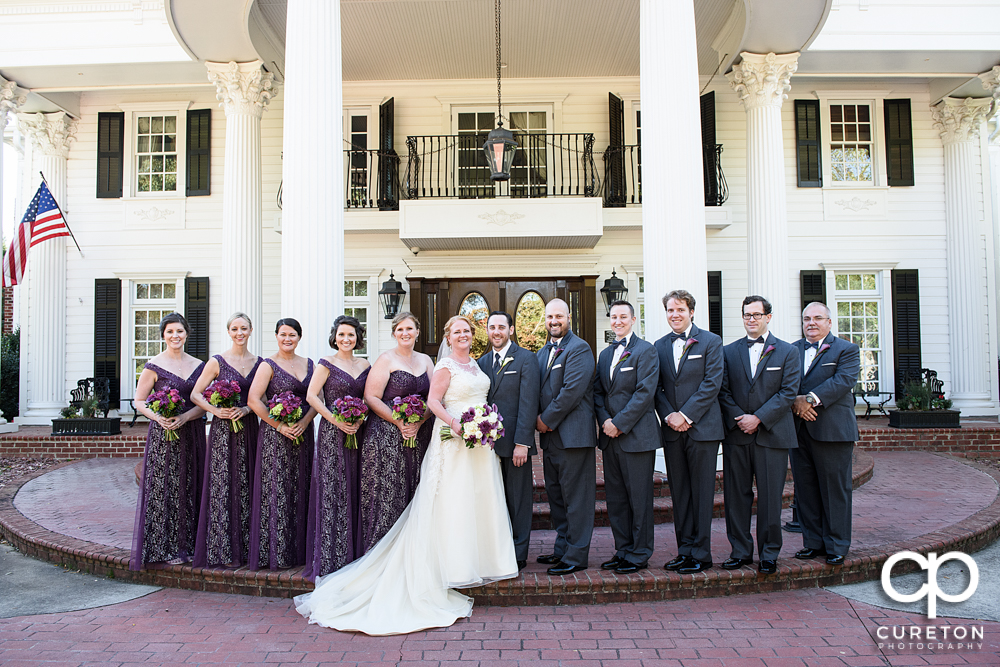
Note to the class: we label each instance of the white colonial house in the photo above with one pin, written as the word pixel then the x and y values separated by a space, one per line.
pixel 288 158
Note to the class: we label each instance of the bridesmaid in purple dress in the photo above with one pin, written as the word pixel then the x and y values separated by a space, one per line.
pixel 390 471
pixel 166 516
pixel 281 474
pixel 224 521
pixel 331 541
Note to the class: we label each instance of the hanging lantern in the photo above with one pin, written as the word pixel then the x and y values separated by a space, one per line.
pixel 391 295
pixel 500 145
pixel 614 290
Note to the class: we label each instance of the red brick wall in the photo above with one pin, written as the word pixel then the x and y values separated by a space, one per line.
pixel 37 442
pixel 8 309
pixel 980 442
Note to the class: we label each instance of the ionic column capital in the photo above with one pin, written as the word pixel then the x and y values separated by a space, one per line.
pixel 762 79
pixel 242 88
pixel 959 119
pixel 49 132
pixel 11 99
pixel 991 81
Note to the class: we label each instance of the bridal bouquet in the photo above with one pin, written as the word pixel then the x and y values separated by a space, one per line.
pixel 286 408
pixel 168 404
pixel 482 426
pixel 225 394
pixel 410 409
pixel 350 410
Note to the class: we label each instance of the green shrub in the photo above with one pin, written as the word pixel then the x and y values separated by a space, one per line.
pixel 10 369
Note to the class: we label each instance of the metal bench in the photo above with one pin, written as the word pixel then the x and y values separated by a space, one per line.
pixel 874 400
pixel 88 388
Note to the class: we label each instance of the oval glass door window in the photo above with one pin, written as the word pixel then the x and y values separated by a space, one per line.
pixel 474 307
pixel 529 322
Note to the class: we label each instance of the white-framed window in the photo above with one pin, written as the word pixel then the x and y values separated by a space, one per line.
pixel 357 303
pixel 155 144
pixel 852 137
pixel 859 317
pixel 358 134
pixel 149 301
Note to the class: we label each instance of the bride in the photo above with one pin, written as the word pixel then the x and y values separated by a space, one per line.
pixel 455 533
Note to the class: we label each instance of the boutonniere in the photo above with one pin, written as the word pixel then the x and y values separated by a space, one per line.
pixel 769 350
pixel 688 344
pixel 555 354
pixel 823 348
pixel 503 364
pixel 624 356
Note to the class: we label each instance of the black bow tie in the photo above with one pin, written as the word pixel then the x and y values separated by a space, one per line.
pixel 622 342
pixel 675 336
pixel 814 346
pixel 754 341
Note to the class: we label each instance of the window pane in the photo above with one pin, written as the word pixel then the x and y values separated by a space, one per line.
pixel 836 113
pixel 837 132
pixel 143 125
pixel 537 120
pixel 170 182
pixel 361 288
pixel 850 113
pixel 841 281
pixel 466 121
pixel 144 164
pixel 170 124
pixel 156 124
pixel 156 291
pixel 169 144
pixel 863 113
pixel 855 281
pixel 169 291
pixel 529 322
pixel 474 307
pixel 519 120
pixel 156 144
pixel 156 183
pixel 157 164
pixel 141 292
pixel 359 123
pixel 143 145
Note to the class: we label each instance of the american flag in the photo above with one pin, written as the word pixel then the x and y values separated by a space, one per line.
pixel 42 221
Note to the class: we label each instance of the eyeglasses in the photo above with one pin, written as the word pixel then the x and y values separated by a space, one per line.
pixel 754 316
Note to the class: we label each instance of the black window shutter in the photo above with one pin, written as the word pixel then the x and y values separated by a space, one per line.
pixel 807 144
pixel 199 152
pixel 898 142
pixel 905 326
pixel 614 195
pixel 110 154
pixel 813 285
pixel 196 312
pixel 388 161
pixel 715 302
pixel 708 151
pixel 107 334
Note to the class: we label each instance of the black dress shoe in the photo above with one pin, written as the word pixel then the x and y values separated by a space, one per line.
pixel 612 564
pixel 628 568
pixel 768 566
pixel 549 559
pixel 521 564
pixel 835 559
pixel 736 563
pixel 693 566
pixel 808 554
pixel 677 562
pixel 562 568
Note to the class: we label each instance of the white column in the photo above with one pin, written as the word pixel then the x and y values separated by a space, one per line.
pixel 674 249
pixel 11 98
pixel 761 81
pixel 244 90
pixel 43 344
pixel 312 226
pixel 958 122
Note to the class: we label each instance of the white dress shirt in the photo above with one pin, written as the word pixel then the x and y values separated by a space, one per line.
pixel 619 351
pixel 807 361
pixel 552 351
pixel 756 350
pixel 502 352
pixel 679 345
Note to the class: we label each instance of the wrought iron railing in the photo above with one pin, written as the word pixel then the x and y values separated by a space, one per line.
pixel 623 176
pixel 545 165
pixel 371 180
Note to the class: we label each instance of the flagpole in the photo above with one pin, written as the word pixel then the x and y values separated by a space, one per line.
pixel 59 208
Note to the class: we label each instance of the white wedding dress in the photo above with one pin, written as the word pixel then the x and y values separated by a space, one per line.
pixel 455 533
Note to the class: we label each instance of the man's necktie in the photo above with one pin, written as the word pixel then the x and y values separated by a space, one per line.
pixel 753 341
pixel 496 363
pixel 616 343
pixel 674 336
pixel 814 346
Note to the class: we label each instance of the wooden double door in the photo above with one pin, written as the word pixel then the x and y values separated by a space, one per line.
pixel 434 300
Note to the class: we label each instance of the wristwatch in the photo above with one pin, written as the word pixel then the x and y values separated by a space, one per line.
pixel 810 399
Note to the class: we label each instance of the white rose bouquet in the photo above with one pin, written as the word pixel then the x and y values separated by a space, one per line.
pixel 482 426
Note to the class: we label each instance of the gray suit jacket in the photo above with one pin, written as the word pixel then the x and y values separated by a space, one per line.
pixel 832 377
pixel 694 388
pixel 628 396
pixel 566 398
pixel 768 395
pixel 514 390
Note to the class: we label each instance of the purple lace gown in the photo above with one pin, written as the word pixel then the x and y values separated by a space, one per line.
pixel 333 497
pixel 389 471
pixel 224 519
pixel 166 516
pixel 281 485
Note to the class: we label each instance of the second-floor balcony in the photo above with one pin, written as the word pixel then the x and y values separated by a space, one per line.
pixel 623 176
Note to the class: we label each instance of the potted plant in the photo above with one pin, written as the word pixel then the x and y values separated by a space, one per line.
pixel 923 405
pixel 80 418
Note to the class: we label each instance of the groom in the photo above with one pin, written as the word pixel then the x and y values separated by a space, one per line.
pixel 513 375
pixel 568 438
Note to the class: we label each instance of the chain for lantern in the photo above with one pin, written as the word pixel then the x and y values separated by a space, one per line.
pixel 499 115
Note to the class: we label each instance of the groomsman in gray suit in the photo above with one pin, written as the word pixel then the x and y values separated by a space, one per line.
pixel 758 388
pixel 513 375
pixel 827 430
pixel 568 438
pixel 687 400
pixel 624 395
